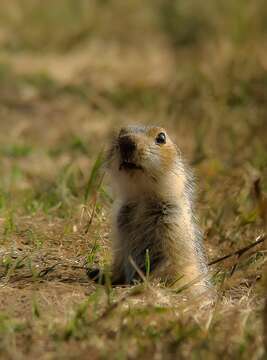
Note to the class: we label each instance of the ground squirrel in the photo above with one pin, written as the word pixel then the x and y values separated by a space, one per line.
pixel 153 211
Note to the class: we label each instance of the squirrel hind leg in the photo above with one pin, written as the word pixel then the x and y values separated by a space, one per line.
pixel 95 274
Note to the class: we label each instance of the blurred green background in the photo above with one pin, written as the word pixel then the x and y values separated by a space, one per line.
pixel 71 71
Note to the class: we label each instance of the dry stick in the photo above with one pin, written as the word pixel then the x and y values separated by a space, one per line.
pixel 260 239
pixel 136 268
pixel 140 273
pixel 48 269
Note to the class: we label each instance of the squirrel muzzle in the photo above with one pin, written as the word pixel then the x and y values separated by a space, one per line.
pixel 128 149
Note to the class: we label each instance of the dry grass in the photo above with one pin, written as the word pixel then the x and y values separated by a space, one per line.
pixel 71 73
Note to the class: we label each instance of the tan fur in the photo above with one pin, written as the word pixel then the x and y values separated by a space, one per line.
pixel 153 210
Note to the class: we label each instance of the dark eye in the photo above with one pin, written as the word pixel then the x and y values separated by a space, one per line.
pixel 161 138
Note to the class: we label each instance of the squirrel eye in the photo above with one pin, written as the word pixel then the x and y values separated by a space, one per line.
pixel 161 138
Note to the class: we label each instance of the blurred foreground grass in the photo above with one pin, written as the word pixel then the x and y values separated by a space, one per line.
pixel 70 73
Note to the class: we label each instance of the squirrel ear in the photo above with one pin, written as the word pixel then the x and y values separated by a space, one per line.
pixel 122 131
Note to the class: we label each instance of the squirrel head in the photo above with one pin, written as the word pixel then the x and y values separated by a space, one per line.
pixel 142 159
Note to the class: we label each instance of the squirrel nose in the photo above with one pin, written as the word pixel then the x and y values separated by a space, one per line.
pixel 127 147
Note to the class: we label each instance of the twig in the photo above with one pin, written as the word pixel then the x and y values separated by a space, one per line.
pixel 136 268
pixel 47 270
pixel 260 239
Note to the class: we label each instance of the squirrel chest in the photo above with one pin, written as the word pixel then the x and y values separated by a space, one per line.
pixel 145 230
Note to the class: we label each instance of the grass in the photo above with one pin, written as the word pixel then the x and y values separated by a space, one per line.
pixel 69 76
